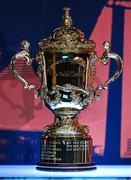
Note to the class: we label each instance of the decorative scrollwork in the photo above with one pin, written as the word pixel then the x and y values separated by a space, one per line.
pixel 67 95
pixel 66 38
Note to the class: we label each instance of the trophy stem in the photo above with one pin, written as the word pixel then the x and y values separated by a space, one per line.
pixel 66 144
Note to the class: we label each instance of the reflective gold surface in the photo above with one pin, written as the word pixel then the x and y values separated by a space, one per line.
pixel 66 70
pixel 66 38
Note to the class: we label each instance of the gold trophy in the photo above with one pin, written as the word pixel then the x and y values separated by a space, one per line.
pixel 66 72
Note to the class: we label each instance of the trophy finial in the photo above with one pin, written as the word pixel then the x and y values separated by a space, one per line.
pixel 66 11
pixel 67 20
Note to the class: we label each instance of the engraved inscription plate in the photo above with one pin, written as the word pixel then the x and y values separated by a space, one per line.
pixel 71 150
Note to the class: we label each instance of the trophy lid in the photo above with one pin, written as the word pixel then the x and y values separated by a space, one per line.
pixel 66 38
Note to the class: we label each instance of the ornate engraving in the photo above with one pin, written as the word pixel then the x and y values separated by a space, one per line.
pixel 66 38
pixel 66 70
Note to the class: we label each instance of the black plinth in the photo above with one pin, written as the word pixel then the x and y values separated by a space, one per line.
pixel 65 167
pixel 66 153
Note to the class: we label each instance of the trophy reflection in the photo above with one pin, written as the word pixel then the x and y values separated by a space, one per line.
pixel 66 70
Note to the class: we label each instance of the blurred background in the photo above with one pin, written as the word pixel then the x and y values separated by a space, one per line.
pixel 22 117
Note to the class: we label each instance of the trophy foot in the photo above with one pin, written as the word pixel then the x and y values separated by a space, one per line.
pixel 66 145
pixel 65 167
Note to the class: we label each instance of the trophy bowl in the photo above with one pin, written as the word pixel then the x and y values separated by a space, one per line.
pixel 66 70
